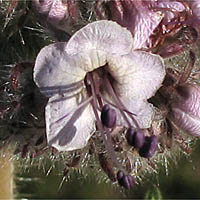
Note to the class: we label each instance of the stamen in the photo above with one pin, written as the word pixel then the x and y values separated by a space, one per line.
pixel 149 147
pixel 126 181
pixel 106 137
pixel 108 116
pixel 93 90
pixel 135 138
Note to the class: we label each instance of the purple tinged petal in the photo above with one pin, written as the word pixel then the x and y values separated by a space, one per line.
pixel 137 17
pixel 186 122
pixel 52 11
pixel 58 12
pixel 131 182
pixel 171 8
pixel 189 100
pixel 195 6
pixel 145 23
pixel 186 111
pixel 194 19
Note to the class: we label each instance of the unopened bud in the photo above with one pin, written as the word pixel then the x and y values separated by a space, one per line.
pixel 149 147
pixel 108 116
pixel 60 14
pixel 135 137
pixel 186 110
pixel 126 181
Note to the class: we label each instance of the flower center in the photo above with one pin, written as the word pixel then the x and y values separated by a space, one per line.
pixel 100 85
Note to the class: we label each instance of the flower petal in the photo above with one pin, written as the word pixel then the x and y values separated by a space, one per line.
pixel 58 12
pixel 101 35
pixel 137 17
pixel 195 6
pixel 68 128
pixel 142 110
pixel 138 75
pixel 186 121
pixel 145 23
pixel 189 100
pixel 57 72
pixel 171 8
pixel 186 109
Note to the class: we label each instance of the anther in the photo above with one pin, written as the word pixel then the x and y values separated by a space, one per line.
pixel 135 137
pixel 126 181
pixel 108 116
pixel 149 147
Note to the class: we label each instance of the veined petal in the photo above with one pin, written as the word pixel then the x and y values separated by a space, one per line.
pixel 92 60
pixel 189 99
pixel 68 128
pixel 145 23
pixel 138 75
pixel 137 17
pixel 195 6
pixel 186 121
pixel 107 36
pixel 175 6
pixel 142 112
pixel 186 109
pixel 57 72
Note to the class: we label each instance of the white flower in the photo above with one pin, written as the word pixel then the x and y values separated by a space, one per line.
pixel 97 66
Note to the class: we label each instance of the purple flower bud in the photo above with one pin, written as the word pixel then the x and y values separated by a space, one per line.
pixel 135 137
pixel 57 13
pixel 108 116
pixel 149 147
pixel 186 110
pixel 126 181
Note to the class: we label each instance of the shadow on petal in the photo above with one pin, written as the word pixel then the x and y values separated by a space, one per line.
pixel 69 122
pixel 72 88
pixel 67 133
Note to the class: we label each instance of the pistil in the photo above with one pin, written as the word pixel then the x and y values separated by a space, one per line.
pixel 106 137
pixel 96 89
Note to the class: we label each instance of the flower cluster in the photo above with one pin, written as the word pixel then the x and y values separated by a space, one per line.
pixel 152 21
pixel 109 91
